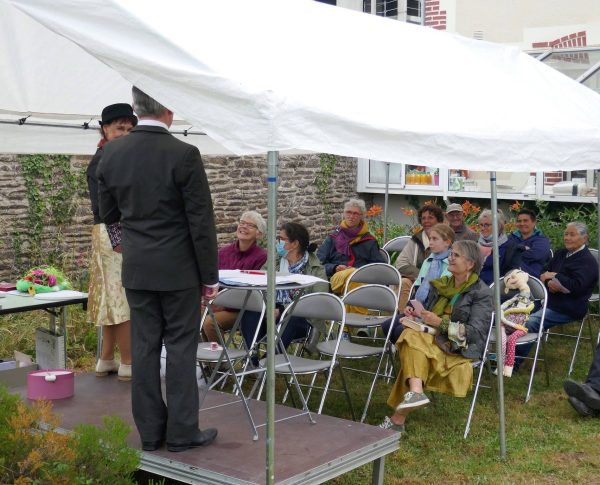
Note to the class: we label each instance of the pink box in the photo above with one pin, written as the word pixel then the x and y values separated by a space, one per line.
pixel 50 384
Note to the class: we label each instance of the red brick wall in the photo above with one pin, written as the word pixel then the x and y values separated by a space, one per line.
pixel 551 178
pixel 434 17
pixel 578 39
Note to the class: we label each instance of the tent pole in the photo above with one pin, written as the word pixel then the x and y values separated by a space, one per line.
pixel 498 315
pixel 272 163
pixel 385 202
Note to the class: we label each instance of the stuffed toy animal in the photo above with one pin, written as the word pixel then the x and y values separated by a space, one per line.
pixel 515 313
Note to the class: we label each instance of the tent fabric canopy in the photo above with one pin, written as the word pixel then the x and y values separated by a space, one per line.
pixel 267 75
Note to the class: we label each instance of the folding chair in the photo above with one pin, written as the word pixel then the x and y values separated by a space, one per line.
pixel 479 365
pixel 385 255
pixel 314 306
pixel 397 244
pixel 539 295
pixel 231 354
pixel 377 297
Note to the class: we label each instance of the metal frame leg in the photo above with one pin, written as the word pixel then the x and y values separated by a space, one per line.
pixel 378 471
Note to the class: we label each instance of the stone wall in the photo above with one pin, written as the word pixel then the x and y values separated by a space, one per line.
pixel 237 184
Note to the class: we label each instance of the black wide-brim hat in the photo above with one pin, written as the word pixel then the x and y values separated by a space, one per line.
pixel 116 111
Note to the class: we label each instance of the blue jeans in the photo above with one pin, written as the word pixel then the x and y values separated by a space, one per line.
pixel 551 319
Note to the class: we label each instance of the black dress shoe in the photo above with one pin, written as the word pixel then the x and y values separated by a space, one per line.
pixel 581 407
pixel 584 392
pixel 152 445
pixel 202 438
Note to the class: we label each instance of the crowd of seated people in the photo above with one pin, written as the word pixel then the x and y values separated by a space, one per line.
pixel 451 277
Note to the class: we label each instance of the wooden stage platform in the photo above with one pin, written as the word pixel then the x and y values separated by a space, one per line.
pixel 304 452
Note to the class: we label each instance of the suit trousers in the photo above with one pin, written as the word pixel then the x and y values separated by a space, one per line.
pixel 593 378
pixel 172 317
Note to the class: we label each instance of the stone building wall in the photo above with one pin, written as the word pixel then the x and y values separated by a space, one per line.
pixel 237 184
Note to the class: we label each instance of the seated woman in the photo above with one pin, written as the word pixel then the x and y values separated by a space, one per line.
pixel 411 258
pixel 534 246
pixel 570 277
pixel 435 266
pixel 460 307
pixel 351 245
pixel 295 255
pixel 509 252
pixel 243 253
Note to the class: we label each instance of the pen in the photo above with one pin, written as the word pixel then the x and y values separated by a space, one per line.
pixel 247 271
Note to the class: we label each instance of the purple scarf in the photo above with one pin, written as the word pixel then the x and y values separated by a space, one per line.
pixel 344 236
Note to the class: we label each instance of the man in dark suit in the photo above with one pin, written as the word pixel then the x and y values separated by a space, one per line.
pixel 156 186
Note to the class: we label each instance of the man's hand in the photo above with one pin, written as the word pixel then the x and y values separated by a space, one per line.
pixel 209 292
pixel 548 275
pixel 340 267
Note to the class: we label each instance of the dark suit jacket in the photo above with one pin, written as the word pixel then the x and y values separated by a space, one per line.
pixel 156 185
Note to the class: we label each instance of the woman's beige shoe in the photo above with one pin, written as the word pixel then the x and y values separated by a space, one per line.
pixel 105 367
pixel 124 372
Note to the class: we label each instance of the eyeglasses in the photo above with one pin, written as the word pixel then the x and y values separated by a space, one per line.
pixel 352 213
pixel 247 224
pixel 484 224
pixel 454 255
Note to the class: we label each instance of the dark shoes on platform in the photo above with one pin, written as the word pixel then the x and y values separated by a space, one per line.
pixel 582 408
pixel 202 438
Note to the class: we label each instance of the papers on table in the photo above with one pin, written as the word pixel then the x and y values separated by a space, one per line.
pixel 235 277
pixel 60 295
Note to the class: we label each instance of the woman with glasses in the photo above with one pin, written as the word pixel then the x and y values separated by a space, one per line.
pixel 350 246
pixel 459 307
pixel 509 253
pixel 243 253
pixel 296 255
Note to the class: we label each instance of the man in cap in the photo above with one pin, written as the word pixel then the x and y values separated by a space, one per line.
pixel 156 185
pixel 456 219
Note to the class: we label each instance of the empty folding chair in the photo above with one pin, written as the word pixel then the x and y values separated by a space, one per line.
pixel 313 307
pixel 228 352
pixel 385 255
pixel 396 245
pixel 377 297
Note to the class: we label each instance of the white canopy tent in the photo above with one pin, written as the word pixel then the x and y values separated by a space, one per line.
pixel 265 75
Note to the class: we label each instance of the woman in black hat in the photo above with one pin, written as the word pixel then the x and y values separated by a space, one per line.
pixel 107 304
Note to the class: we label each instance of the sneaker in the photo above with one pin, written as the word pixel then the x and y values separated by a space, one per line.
pixel 413 400
pixel 389 424
pixel 346 337
pixel 105 367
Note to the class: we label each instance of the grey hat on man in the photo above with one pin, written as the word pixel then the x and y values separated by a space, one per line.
pixel 454 208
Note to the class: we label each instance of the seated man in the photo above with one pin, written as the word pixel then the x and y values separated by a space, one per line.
pixel 585 398
pixel 243 253
pixel 456 220
pixel 534 246
pixel 570 278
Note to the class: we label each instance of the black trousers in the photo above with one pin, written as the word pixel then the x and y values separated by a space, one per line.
pixel 593 378
pixel 172 316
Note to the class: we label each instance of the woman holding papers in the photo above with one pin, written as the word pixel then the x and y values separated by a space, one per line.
pixel 295 255
pixel 459 308
pixel 441 237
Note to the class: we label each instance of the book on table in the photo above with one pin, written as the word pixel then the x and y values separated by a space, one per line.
pixel 418 325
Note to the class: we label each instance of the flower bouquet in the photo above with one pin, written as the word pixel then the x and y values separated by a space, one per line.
pixel 43 279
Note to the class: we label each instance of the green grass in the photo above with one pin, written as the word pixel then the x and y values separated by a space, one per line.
pixel 547 442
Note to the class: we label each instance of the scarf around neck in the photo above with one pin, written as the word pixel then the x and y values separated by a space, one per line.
pixel 488 242
pixel 434 272
pixel 448 293
pixel 347 236
pixel 285 297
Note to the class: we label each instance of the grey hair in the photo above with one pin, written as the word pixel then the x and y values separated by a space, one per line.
pixel 144 105
pixel 358 203
pixel 582 229
pixel 261 224
pixel 470 251
pixel 487 213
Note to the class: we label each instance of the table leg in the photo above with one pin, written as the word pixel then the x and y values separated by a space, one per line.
pixel 63 329
pixel 378 471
